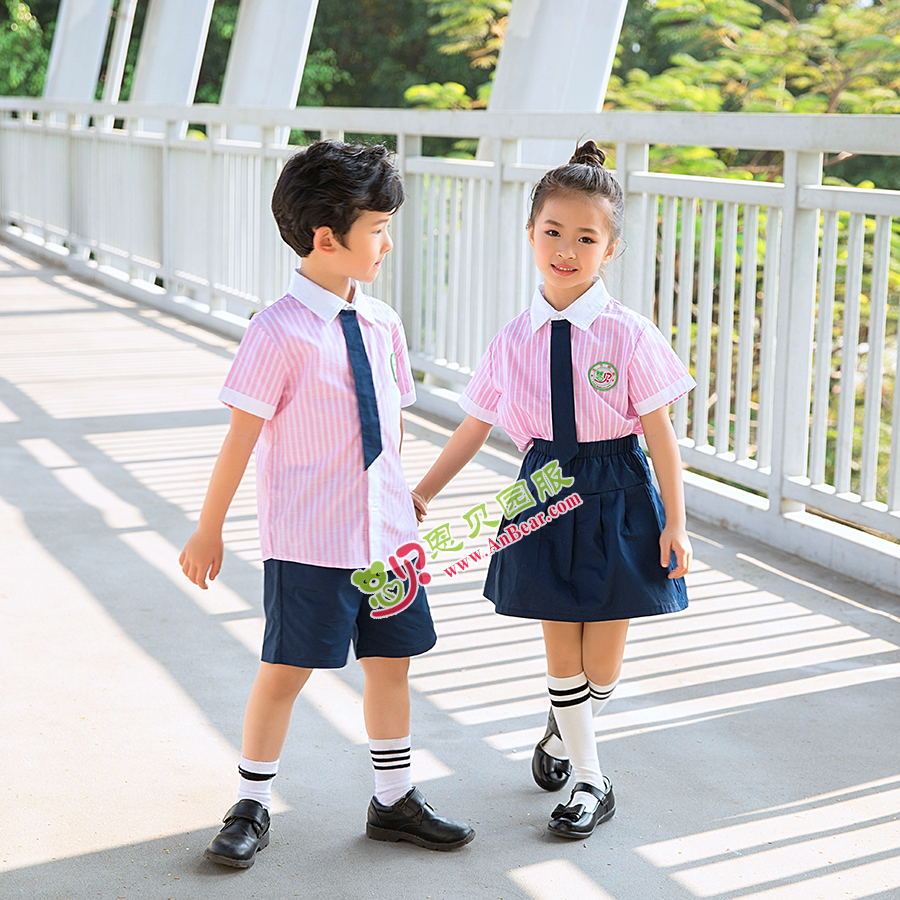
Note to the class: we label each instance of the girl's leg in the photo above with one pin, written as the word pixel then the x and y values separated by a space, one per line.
pixel 571 701
pixel 602 648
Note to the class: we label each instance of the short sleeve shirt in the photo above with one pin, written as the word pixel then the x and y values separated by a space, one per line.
pixel 317 503
pixel 622 367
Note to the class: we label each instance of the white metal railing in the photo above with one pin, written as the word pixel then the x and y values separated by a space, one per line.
pixel 761 287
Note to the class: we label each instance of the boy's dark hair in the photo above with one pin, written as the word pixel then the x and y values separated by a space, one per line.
pixel 583 174
pixel 331 183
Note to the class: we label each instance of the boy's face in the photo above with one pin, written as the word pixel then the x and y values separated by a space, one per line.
pixel 364 246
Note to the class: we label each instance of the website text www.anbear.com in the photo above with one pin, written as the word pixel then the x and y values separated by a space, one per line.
pixel 514 532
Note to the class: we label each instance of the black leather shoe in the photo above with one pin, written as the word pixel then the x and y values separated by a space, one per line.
pixel 548 772
pixel 245 833
pixel 412 819
pixel 573 821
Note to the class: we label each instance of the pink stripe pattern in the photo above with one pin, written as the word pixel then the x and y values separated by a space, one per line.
pixel 622 367
pixel 317 504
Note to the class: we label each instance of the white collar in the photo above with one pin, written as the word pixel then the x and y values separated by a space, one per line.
pixel 323 303
pixel 581 313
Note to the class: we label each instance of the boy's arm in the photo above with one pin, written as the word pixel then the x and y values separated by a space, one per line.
pixel 663 448
pixel 202 554
pixel 464 443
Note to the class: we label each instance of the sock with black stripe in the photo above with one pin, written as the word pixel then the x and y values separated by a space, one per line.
pixel 600 694
pixel 256 780
pixel 393 776
pixel 571 701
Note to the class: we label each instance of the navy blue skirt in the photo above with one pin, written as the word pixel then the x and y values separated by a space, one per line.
pixel 596 561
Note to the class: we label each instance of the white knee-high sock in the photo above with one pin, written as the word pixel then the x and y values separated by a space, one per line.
pixel 393 776
pixel 570 698
pixel 600 694
pixel 256 780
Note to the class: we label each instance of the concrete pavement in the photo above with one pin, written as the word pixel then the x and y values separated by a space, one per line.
pixel 752 743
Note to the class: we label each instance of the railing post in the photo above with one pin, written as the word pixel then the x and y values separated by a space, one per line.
pixel 630 282
pixel 269 280
pixel 408 242
pixel 508 235
pixel 794 329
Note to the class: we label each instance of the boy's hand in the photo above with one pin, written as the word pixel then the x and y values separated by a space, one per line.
pixel 420 505
pixel 202 558
pixel 675 540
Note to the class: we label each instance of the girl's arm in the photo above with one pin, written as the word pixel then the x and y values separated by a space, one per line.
pixel 666 457
pixel 464 443
pixel 202 554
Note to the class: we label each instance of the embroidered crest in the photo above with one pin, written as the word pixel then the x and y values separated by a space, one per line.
pixel 603 376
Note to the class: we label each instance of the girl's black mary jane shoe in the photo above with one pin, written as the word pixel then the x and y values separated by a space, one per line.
pixel 574 821
pixel 548 772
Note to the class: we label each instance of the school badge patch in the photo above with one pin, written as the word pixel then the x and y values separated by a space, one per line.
pixel 603 376
pixel 394 366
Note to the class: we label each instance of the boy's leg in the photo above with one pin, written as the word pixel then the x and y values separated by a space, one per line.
pixel 386 713
pixel 398 812
pixel 266 722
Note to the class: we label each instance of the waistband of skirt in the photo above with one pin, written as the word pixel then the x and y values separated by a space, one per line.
pixel 592 448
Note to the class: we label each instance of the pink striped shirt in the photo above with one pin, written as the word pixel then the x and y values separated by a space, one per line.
pixel 317 504
pixel 622 369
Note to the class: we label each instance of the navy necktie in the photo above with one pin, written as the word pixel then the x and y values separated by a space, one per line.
pixel 365 389
pixel 562 392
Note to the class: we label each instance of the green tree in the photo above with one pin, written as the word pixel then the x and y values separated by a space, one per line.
pixel 474 29
pixel 24 52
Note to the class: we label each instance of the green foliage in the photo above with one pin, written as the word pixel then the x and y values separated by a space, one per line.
pixel 384 47
pixel 450 95
pixel 23 54
pixel 215 55
pixel 474 28
pixel 843 58
pixel 320 75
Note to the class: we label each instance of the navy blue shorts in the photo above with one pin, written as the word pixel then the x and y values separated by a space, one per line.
pixel 314 612
pixel 597 562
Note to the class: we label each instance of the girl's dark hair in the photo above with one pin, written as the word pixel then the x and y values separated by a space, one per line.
pixel 331 183
pixel 583 174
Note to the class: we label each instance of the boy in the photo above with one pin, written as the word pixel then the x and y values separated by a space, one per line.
pixel 319 380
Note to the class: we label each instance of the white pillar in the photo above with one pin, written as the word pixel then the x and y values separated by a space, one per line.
pixel 557 56
pixel 118 53
pixel 168 62
pixel 77 52
pixel 267 57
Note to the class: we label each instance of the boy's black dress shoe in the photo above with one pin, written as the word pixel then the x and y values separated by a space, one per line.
pixel 246 832
pixel 548 772
pixel 573 821
pixel 412 819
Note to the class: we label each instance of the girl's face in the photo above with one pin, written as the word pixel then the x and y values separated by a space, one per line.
pixel 570 239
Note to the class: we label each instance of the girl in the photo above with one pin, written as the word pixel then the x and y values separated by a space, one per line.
pixel 576 398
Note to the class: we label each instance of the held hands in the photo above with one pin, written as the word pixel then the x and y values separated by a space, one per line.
pixel 675 540
pixel 420 504
pixel 202 557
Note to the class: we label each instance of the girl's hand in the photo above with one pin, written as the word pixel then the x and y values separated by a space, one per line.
pixel 202 558
pixel 420 505
pixel 675 540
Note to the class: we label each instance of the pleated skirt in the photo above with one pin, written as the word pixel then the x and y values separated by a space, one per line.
pixel 592 561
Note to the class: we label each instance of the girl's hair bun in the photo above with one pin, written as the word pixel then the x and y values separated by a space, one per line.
pixel 588 154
